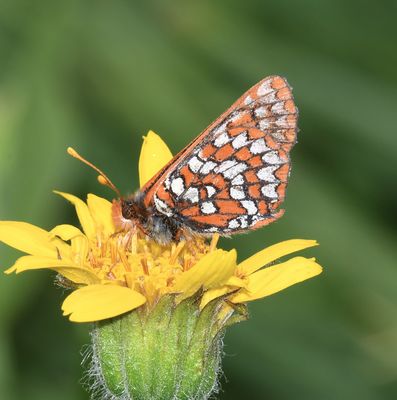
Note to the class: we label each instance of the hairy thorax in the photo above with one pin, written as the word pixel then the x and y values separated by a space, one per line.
pixel 132 214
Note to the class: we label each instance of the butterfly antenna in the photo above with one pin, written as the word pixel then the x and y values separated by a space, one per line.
pixel 102 178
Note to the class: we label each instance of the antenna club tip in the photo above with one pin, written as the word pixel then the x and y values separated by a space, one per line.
pixel 102 180
pixel 71 151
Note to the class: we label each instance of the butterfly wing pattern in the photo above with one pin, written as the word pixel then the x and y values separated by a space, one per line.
pixel 233 177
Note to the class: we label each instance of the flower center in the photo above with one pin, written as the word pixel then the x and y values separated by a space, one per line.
pixel 131 259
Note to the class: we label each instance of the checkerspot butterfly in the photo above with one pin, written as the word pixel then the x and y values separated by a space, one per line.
pixel 230 179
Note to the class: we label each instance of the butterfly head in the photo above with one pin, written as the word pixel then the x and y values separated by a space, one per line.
pixel 130 213
pixel 128 209
pixel 124 214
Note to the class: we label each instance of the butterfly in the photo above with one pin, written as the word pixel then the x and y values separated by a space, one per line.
pixel 232 178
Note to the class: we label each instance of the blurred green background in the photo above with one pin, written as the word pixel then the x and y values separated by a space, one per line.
pixel 98 74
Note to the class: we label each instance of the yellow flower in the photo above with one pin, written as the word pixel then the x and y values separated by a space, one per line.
pixel 114 272
pixel 174 301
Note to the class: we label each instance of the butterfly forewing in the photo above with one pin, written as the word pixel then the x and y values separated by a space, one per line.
pixel 233 176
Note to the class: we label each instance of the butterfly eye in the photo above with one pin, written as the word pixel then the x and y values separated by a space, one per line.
pixel 127 209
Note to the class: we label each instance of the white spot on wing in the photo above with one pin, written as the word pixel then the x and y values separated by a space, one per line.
pixel 272 157
pixel 207 167
pixel 266 174
pixel 250 206
pixel 192 195
pixel 269 98
pixel 220 129
pixel 226 165
pixel 248 100
pixel 243 221
pixel 237 193
pixel 270 191
pixel 238 180
pixel 195 164
pixel 278 135
pixel 278 108
pixel 162 206
pixel 240 141
pixel 222 139
pixel 236 115
pixel 256 219
pixel 265 88
pixel 208 208
pixel 177 186
pixel 259 146
pixel 234 171
pixel 210 190
pixel 265 124
pixel 261 112
pixel 282 122
pixel 234 224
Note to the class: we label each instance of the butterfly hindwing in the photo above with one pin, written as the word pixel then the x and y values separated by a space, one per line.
pixel 233 176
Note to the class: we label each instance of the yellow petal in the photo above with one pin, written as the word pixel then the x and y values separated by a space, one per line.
pixel 278 277
pixel 155 154
pixel 79 242
pixel 232 283
pixel 97 302
pixel 80 248
pixel 213 270
pixel 66 232
pixel 30 239
pixel 235 281
pixel 101 211
pixel 83 214
pixel 272 253
pixel 65 267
